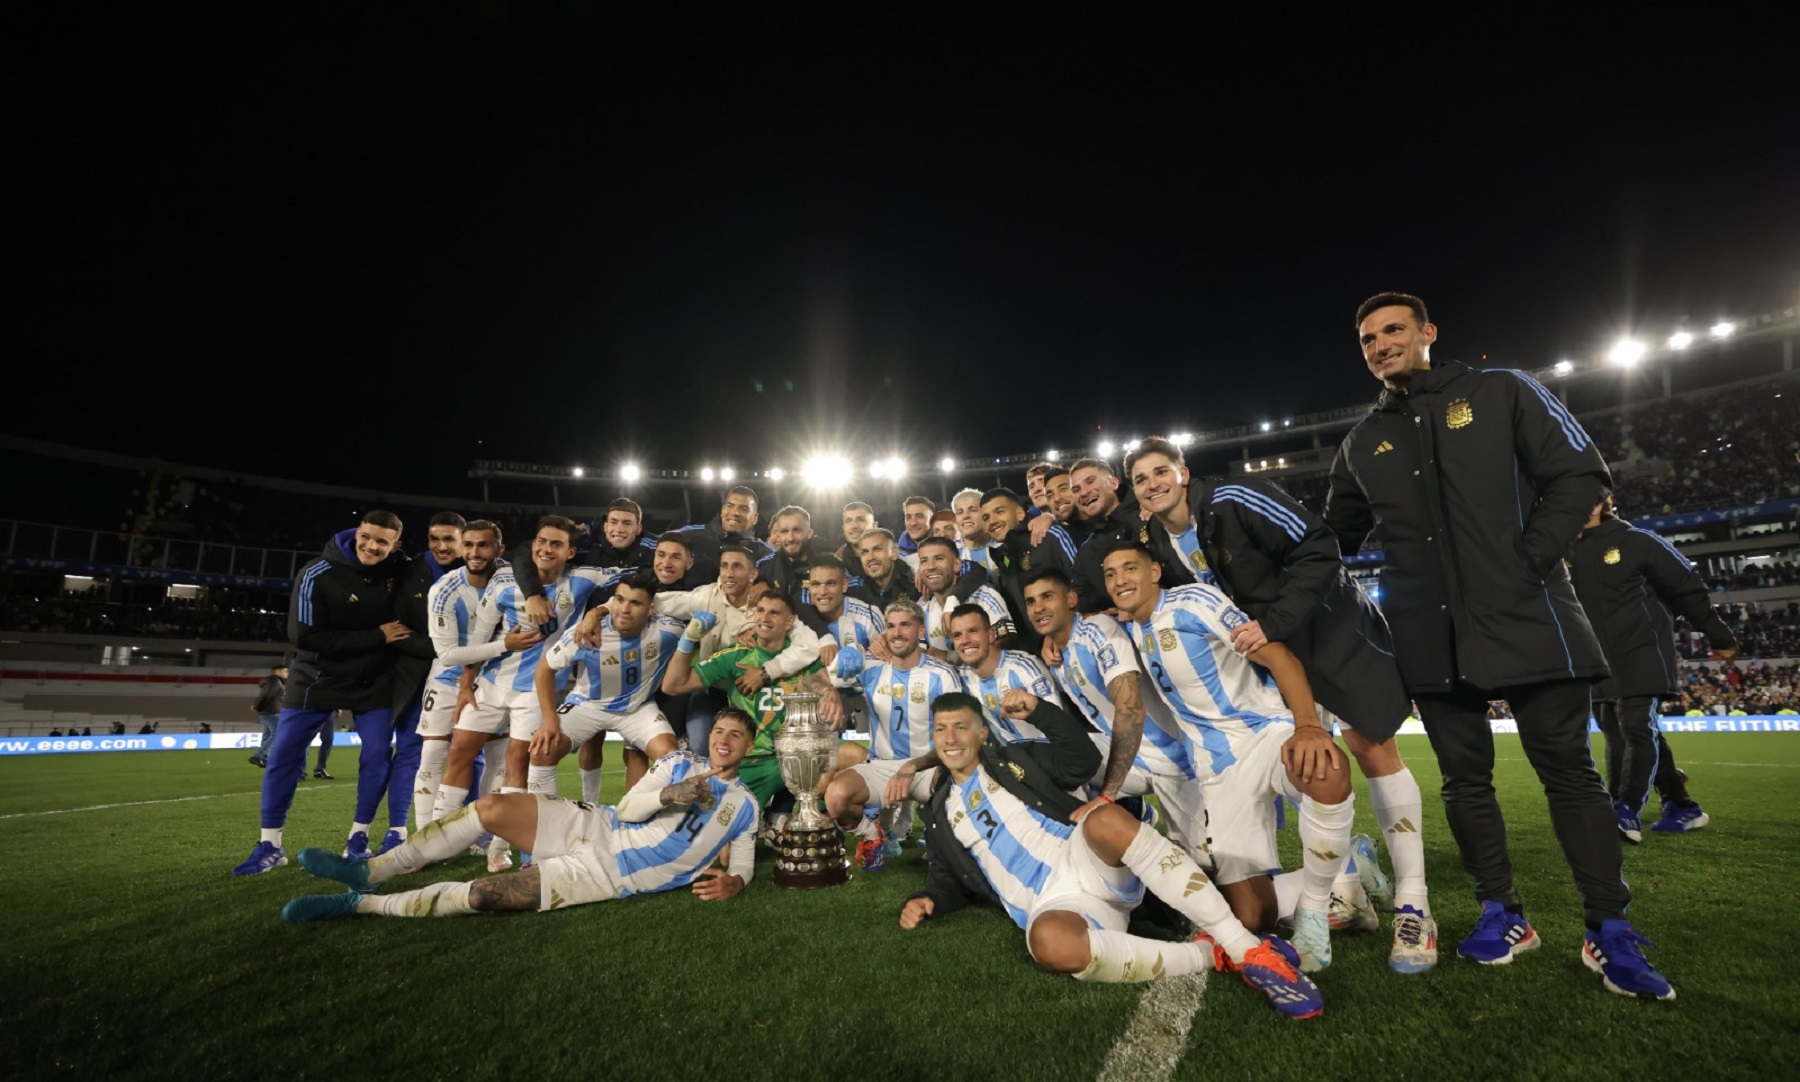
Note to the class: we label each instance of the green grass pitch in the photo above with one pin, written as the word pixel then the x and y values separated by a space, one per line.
pixel 130 952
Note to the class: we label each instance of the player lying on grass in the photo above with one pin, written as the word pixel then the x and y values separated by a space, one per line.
pixel 1002 828
pixel 666 833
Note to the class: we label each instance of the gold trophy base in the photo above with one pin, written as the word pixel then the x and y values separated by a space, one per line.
pixel 810 859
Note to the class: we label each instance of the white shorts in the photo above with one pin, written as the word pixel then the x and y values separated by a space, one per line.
pixel 585 721
pixel 876 773
pixel 437 711
pixel 571 854
pixel 1083 884
pixel 1240 808
pixel 497 710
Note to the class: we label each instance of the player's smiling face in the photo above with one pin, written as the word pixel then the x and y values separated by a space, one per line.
pixel 877 555
pixel 904 633
pixel 1047 607
pixel 550 550
pixel 1158 482
pixel 1095 494
pixel 445 543
pixel 972 639
pixel 917 518
pixel 958 735
pixel 999 516
pixel 630 608
pixel 789 534
pixel 773 621
pixel 620 528
pixel 738 513
pixel 828 591
pixel 856 523
pixel 968 521
pixel 734 572
pixel 480 548
pixel 1060 491
pixel 1131 580
pixel 1034 489
pixel 937 568
pixel 374 543
pixel 728 742
pixel 671 562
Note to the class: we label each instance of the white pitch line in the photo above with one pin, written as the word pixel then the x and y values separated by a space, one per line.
pixel 1684 761
pixel 1156 1037
pixel 170 800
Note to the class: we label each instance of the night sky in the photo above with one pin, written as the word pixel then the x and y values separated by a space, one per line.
pixel 371 252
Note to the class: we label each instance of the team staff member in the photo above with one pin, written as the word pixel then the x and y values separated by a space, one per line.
pixel 341 620
pixel 1107 519
pixel 1628 579
pixel 1479 482
pixel 733 524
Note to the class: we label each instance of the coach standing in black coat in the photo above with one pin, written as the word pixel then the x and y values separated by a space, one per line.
pixel 1628 579
pixel 1479 482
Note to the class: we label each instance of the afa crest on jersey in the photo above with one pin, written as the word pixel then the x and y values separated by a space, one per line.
pixel 1612 556
pixel 1459 414
pixel 1166 640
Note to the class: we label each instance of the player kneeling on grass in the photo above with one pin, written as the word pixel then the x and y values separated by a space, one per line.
pixel 1003 828
pixel 666 833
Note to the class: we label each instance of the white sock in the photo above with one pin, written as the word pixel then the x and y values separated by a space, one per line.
pixel 354 827
pixel 1399 811
pixel 1324 846
pixel 1287 893
pixel 425 783
pixel 590 786
pixel 449 798
pixel 541 779
pixel 1174 877
pixel 504 789
pixel 440 839
pixel 272 835
pixel 493 771
pixel 436 900
pixel 1121 958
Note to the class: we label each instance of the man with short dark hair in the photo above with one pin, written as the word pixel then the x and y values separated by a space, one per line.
pixel 734 523
pixel 1479 482
pixel 1108 519
pixel 915 521
pixel 859 519
pixel 1003 829
pixel 341 621
pixel 884 578
pixel 1015 555
pixel 940 573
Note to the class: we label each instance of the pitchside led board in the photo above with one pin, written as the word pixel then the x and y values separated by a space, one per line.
pixel 63 745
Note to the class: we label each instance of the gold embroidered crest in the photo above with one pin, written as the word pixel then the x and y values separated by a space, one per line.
pixel 1459 415
pixel 1025 562
pixel 918 695
pixel 1167 640
pixel 1018 771
pixel 1612 556
pixel 1144 534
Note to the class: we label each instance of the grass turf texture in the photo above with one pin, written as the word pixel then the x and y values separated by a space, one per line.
pixel 132 953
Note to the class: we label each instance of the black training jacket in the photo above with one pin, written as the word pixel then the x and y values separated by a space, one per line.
pixel 342 659
pixel 1479 482
pixel 1628 579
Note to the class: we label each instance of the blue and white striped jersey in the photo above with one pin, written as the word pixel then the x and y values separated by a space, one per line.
pixel 621 674
pixel 1015 669
pixel 980 557
pixel 1217 696
pixel 1187 542
pixel 502 610
pixel 900 704
pixel 671 847
pixel 1015 846
pixel 451 606
pixel 986 596
pixel 1099 652
pixel 858 625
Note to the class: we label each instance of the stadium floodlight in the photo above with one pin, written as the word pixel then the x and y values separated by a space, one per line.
pixel 706 474
pixel 1563 368
pixel 1265 426
pixel 896 468
pixel 947 464
pixel 726 473
pixel 1626 352
pixel 1105 448
pixel 577 471
pixel 630 472
pixel 878 469
pixel 776 473
pixel 1722 329
pixel 1050 456
pixel 1182 439
pixel 826 472
pixel 1680 340
pixel 1286 422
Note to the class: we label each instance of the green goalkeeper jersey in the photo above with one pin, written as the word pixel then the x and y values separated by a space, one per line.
pixel 767 706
